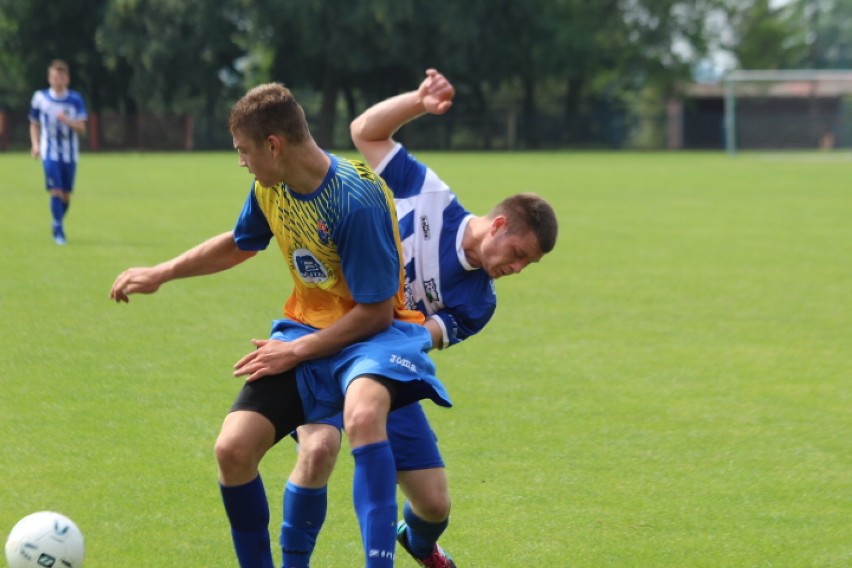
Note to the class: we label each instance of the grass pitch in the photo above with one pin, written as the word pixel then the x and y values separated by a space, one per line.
pixel 671 387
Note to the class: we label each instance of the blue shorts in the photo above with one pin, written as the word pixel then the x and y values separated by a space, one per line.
pixel 399 354
pixel 414 444
pixel 59 175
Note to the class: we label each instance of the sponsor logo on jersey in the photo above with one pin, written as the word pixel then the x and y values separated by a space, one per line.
pixel 424 225
pixel 310 269
pixel 431 289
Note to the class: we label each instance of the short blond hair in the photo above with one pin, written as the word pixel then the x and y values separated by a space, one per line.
pixel 269 109
pixel 59 65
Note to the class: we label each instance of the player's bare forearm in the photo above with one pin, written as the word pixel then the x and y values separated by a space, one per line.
pixel 34 133
pixel 272 357
pixel 373 130
pixel 213 255
pixel 360 322
pixel 78 125
pixel 436 332
pixel 382 120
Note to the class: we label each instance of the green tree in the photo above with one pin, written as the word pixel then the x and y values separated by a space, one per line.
pixel 766 36
pixel 571 71
pixel 36 31
pixel 177 57
pixel 829 23
pixel 590 56
pixel 334 48
pixel 13 87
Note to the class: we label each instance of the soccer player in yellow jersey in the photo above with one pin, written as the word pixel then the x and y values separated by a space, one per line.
pixel 346 340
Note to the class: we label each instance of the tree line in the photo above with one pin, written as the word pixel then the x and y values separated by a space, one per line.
pixel 576 70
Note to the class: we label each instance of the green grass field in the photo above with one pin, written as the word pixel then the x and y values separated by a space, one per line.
pixel 671 387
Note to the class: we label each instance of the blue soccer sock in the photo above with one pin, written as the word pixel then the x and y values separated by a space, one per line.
pixel 304 514
pixel 248 513
pixel 57 209
pixel 374 493
pixel 422 535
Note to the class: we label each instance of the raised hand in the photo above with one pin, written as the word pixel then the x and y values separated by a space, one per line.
pixel 436 92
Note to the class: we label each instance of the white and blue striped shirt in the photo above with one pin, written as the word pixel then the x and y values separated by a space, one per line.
pixel 57 141
pixel 439 281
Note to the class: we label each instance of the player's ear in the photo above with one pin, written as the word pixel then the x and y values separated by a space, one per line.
pixel 275 144
pixel 499 222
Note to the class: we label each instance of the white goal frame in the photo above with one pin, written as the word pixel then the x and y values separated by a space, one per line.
pixel 818 81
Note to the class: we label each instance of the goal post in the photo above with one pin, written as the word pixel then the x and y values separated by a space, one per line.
pixel 787 109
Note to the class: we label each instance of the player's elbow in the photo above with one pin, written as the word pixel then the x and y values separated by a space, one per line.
pixel 380 316
pixel 384 320
pixel 243 256
pixel 356 131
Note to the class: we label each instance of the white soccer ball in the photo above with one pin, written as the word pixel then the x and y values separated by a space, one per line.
pixel 45 539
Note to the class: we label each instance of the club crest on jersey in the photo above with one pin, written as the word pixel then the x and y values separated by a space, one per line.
pixel 323 232
pixel 424 225
pixel 310 269
pixel 431 289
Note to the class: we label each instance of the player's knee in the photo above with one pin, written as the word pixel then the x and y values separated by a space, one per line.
pixel 365 424
pixel 316 460
pixel 233 457
pixel 365 411
pixel 242 442
pixel 434 509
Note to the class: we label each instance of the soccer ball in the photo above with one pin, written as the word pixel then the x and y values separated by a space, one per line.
pixel 45 539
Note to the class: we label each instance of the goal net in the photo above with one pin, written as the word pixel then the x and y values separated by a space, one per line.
pixel 788 110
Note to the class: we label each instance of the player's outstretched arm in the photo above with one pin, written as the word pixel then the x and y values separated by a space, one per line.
pixel 372 131
pixel 213 255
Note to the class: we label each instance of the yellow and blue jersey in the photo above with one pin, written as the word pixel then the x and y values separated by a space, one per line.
pixel 341 243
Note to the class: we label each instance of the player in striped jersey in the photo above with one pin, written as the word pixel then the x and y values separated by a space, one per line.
pixel 451 260
pixel 57 119
pixel 347 342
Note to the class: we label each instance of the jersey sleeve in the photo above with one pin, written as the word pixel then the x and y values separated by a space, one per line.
pixel 402 172
pixel 368 255
pixel 80 107
pixel 468 318
pixel 252 230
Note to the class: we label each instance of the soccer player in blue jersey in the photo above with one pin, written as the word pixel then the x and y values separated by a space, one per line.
pixel 57 119
pixel 451 260
pixel 347 341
